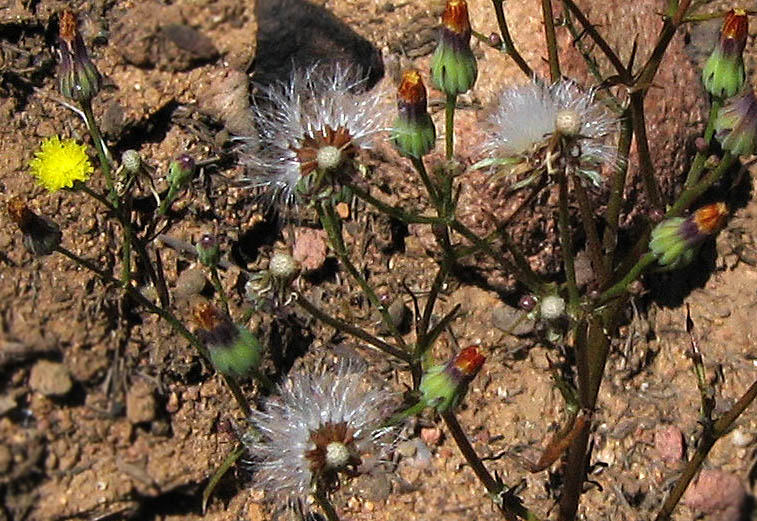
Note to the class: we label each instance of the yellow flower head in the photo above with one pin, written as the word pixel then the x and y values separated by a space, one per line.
pixel 57 164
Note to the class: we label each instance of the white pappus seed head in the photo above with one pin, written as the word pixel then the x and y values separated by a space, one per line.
pixel 526 115
pixel 282 265
pixel 320 423
pixel 323 107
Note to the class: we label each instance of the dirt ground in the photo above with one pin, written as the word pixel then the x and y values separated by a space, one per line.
pixel 106 414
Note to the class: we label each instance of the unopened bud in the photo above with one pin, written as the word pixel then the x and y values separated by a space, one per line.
pixel 723 74
pixel 233 350
pixel 414 133
pixel 453 66
pixel 736 124
pixel 443 386
pixel 674 240
pixel 78 77
pixel 208 250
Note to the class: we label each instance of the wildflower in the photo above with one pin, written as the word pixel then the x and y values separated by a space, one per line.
pixel 526 117
pixel 311 129
pixel 674 240
pixel 443 386
pixel 41 235
pixel 723 74
pixel 57 164
pixel 414 133
pixel 736 124
pixel 318 426
pixel 234 351
pixel 78 77
pixel 453 66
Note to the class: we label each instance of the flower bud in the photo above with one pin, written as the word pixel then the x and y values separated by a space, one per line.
pixel 234 351
pixel 736 124
pixel 443 386
pixel 180 173
pixel 453 66
pixel 414 133
pixel 208 250
pixel 41 235
pixel 723 74
pixel 78 77
pixel 674 240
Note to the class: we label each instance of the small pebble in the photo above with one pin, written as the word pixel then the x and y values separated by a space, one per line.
pixel 512 320
pixel 422 454
pixel 310 248
pixel 191 282
pixel 431 435
pixel 741 438
pixel 668 442
pixel 717 491
pixel 406 448
pixel 140 402
pixel 50 378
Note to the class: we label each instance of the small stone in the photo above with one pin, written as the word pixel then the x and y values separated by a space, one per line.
pixel 7 404
pixel 668 442
pixel 717 491
pixel 741 438
pixel 310 248
pixel 140 402
pixel 423 455
pixel 172 405
pixel 50 378
pixel 431 435
pixel 191 282
pixel 512 320
pixel 406 448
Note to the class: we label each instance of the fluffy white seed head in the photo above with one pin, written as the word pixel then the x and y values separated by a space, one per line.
pixel 526 115
pixel 311 101
pixel 281 459
pixel 329 157
pixel 282 265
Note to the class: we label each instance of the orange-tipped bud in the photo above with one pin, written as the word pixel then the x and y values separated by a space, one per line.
pixel 453 66
pixel 723 74
pixel 674 241
pixel 443 386
pixel 414 133
pixel 455 17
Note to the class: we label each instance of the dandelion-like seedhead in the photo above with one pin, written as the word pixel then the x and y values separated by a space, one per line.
pixel 316 122
pixel 319 425
pixel 526 116
pixel 57 164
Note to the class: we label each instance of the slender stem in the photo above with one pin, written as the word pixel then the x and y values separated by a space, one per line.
pixel 102 154
pixel 642 146
pixel 431 188
pixel 699 160
pixel 165 315
pixel 669 27
pixel 508 504
pixel 593 245
pixel 330 224
pixel 566 242
pixel 689 196
pixel 508 41
pixel 601 42
pixel 719 429
pixel 621 287
pixel 325 504
pixel 617 185
pixel 449 125
pixel 344 327
pixel 392 211
pixel 219 288
pixel 549 33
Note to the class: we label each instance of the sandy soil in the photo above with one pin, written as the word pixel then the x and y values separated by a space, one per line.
pixel 128 422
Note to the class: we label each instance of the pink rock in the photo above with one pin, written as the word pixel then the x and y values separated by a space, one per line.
pixel 310 248
pixel 668 442
pixel 431 435
pixel 717 491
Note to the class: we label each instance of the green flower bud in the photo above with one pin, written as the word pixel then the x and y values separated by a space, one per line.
pixel 723 74
pixel 443 386
pixel 736 124
pixel 453 66
pixel 674 240
pixel 180 173
pixel 234 351
pixel 414 133
pixel 78 77
pixel 208 250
